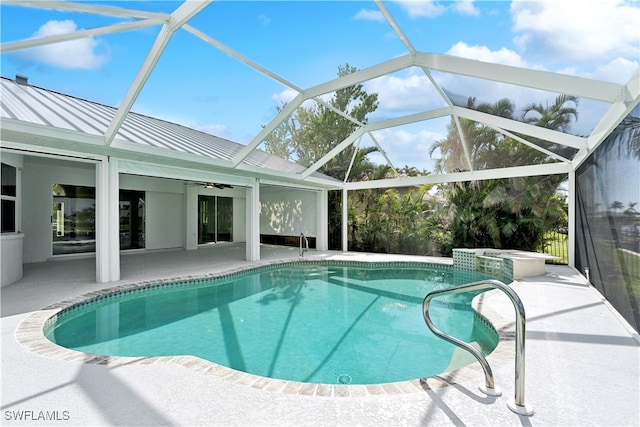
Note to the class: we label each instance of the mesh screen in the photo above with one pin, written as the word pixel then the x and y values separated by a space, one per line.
pixel 608 218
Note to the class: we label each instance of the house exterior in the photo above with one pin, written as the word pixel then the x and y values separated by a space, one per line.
pixel 157 186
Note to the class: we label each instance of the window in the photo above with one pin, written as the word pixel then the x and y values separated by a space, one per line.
pixel 9 198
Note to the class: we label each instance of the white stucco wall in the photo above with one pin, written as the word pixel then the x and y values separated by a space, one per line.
pixel 11 250
pixel 11 244
pixel 287 212
pixel 165 220
pixel 239 219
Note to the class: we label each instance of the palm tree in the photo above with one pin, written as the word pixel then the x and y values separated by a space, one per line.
pixel 557 116
pixel 508 213
pixel 631 210
pixel 615 205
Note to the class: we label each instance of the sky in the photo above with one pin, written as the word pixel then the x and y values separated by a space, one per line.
pixel 305 42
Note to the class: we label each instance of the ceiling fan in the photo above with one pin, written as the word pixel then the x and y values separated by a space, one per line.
pixel 216 185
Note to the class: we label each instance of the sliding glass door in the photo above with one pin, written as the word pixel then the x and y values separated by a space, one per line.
pixel 132 219
pixel 215 219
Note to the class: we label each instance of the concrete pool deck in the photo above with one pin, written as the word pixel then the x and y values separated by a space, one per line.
pixel 582 361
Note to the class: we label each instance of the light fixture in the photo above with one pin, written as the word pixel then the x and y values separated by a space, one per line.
pixel 210 185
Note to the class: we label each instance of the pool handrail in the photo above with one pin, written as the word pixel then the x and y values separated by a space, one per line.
pixel 306 241
pixel 517 404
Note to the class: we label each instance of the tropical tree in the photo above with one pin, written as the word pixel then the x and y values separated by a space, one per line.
pixel 314 130
pixel 397 221
pixel 616 204
pixel 506 213
pixel 631 210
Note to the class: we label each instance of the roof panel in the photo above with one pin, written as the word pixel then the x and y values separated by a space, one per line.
pixel 35 105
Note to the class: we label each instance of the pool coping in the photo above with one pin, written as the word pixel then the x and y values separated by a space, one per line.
pixel 30 334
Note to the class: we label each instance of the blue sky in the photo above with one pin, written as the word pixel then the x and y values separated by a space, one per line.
pixel 303 41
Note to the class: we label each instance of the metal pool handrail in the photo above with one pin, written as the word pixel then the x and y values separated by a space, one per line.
pixel 517 405
pixel 306 241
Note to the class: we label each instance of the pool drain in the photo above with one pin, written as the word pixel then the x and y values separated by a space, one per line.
pixel 344 379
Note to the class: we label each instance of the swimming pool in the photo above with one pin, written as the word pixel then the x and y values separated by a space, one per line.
pixel 319 322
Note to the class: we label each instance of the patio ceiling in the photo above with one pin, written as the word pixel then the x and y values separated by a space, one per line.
pixel 615 100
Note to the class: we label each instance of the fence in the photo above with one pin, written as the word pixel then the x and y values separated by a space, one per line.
pixel 556 243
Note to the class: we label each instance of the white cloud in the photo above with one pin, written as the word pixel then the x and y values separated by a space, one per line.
pixel 75 54
pixel 406 147
pixel 264 19
pixel 404 92
pixel 432 9
pixel 284 97
pixel 466 7
pixel 212 129
pixel 423 8
pixel 577 30
pixel 369 15
pixel 618 70
pixel 483 53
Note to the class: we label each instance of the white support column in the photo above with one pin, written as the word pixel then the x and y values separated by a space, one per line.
pixel 19 201
pixel 191 215
pixel 102 215
pixel 253 222
pixel 322 229
pixel 107 221
pixel 571 218
pixel 114 221
pixel 345 221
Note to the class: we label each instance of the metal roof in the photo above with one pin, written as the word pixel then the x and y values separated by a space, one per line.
pixel 41 107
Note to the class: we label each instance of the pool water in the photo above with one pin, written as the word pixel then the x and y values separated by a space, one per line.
pixel 309 322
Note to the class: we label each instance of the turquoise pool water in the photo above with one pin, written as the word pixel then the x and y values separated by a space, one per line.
pixel 311 322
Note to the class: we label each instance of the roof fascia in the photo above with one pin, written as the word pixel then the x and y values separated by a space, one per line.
pixel 78 144
pixel 44 131
pixel 163 155
pixel 544 80
pixel 50 152
pixel 520 127
pixel 133 167
pixel 180 16
pixel 259 172
pixel 294 186
pixel 477 175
